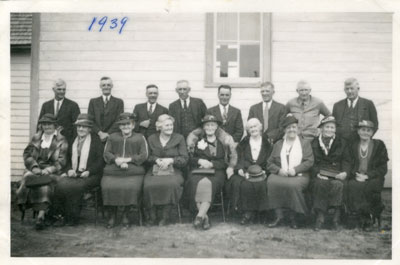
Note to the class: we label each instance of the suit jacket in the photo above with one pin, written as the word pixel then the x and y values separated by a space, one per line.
pixel 67 115
pixel 276 114
pixel 366 111
pixel 104 119
pixel 197 108
pixel 274 161
pixel 95 162
pixel 142 114
pixel 234 121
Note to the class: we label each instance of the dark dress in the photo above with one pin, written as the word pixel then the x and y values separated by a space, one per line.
pixel 123 187
pixel 329 192
pixel 365 197
pixel 165 189
pixel 217 180
pixel 244 194
pixel 69 191
pixel 287 192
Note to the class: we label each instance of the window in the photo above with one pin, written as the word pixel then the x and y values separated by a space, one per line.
pixel 237 49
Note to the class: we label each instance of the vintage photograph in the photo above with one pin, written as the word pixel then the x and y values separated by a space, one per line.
pixel 201 135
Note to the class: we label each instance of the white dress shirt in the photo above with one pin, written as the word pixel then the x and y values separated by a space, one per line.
pixel 183 102
pixel 354 102
pixel 55 105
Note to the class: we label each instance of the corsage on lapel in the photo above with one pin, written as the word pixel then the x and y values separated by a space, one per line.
pixel 202 145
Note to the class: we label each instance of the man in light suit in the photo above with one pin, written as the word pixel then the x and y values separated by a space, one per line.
pixel 147 113
pixel 353 109
pixel 105 110
pixel 230 116
pixel 65 110
pixel 187 111
pixel 269 112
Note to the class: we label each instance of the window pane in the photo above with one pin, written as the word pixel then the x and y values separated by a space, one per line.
pixel 250 60
pixel 227 26
pixel 250 26
pixel 226 63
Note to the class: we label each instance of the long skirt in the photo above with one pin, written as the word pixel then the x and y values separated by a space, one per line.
pixel 253 196
pixel 121 187
pixel 217 183
pixel 162 190
pixel 365 197
pixel 232 189
pixel 39 198
pixel 327 193
pixel 68 194
pixel 287 192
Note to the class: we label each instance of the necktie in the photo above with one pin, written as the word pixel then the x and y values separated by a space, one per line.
pixel 184 105
pixel 151 109
pixel 224 115
pixel 352 104
pixel 265 115
pixel 105 102
pixel 57 108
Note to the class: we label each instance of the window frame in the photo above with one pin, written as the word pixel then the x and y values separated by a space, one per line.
pixel 265 53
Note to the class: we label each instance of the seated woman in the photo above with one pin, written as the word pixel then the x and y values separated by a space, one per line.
pixel 208 174
pixel 367 175
pixel 330 169
pixel 83 172
pixel 122 181
pixel 289 165
pixel 44 157
pixel 163 182
pixel 245 193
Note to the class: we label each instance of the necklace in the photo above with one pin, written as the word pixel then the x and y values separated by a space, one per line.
pixel 365 152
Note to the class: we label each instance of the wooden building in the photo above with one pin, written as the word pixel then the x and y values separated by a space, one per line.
pixel 206 49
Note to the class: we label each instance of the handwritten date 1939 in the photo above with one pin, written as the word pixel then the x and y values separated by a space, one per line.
pixel 113 23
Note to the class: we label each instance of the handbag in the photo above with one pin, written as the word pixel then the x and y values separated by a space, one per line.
pixel 33 181
pixel 157 171
pixel 204 171
pixel 329 173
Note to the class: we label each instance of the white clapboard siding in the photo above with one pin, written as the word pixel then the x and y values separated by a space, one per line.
pixel 323 48
pixel 20 110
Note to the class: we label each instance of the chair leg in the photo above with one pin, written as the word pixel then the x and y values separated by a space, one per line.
pixel 179 213
pixel 223 206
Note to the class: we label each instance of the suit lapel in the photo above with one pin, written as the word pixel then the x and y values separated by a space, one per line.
pixel 218 113
pixel 360 108
pixel 260 114
pixel 230 114
pixel 62 107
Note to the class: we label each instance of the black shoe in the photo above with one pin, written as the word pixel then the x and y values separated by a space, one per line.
pixel 278 221
pixel 206 223
pixel 39 225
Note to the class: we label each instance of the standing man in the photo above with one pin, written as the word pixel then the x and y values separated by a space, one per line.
pixel 187 111
pixel 230 116
pixel 269 112
pixel 353 109
pixel 307 110
pixel 105 110
pixel 147 113
pixel 65 110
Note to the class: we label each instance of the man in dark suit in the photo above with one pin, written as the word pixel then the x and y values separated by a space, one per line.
pixel 269 112
pixel 187 111
pixel 353 109
pixel 230 116
pixel 64 109
pixel 105 110
pixel 147 113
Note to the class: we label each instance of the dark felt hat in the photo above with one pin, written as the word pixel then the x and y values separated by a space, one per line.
pixel 289 119
pixel 126 117
pixel 256 173
pixel 326 120
pixel 210 118
pixel 365 123
pixel 48 118
pixel 84 120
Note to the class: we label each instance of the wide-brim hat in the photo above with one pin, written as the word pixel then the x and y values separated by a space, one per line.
pixel 84 120
pixel 366 123
pixel 256 174
pixel 48 118
pixel 289 119
pixel 326 120
pixel 210 118
pixel 125 118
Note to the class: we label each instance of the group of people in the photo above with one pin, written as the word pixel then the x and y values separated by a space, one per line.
pixel 290 161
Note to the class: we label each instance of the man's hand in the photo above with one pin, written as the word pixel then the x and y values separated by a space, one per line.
pixel 145 123
pixel 71 173
pixel 103 136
